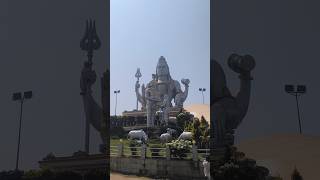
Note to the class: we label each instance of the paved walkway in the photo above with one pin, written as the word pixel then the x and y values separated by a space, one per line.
pixel 117 176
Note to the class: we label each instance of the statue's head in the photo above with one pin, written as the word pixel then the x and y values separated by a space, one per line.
pixel 162 67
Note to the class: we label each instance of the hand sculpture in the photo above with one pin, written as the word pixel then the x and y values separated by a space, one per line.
pixel 87 79
pixel 229 111
pixel 92 110
pixel 141 97
pixel 182 96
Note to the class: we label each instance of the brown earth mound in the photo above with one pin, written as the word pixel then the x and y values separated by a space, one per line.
pixel 282 153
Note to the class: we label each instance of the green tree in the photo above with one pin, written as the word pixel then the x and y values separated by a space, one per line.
pixel 296 175
pixel 196 131
pixel 183 119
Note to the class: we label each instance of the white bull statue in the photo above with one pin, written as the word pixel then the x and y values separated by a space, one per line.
pixel 185 136
pixel 165 138
pixel 138 135
pixel 168 136
pixel 172 132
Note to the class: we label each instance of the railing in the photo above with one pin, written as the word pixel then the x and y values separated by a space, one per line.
pixel 144 152
pixel 114 151
pixel 203 153
pixel 156 153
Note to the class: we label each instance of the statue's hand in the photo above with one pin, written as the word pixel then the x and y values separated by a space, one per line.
pixel 185 82
pixel 242 65
pixel 137 85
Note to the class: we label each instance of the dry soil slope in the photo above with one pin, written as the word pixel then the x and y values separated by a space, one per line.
pixel 199 110
pixel 281 153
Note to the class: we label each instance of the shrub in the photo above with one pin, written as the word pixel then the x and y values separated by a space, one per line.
pixel 179 148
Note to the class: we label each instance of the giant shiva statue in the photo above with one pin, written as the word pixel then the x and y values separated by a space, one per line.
pixel 227 110
pixel 158 94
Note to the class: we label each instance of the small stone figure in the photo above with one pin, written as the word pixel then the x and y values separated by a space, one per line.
pixel 206 168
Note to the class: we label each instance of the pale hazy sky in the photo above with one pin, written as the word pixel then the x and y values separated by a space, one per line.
pixel 144 30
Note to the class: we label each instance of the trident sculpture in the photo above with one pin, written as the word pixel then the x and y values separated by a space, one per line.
pixel 89 43
pixel 90 40
pixel 138 76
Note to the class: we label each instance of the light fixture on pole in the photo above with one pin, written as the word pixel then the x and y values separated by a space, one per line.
pixel 18 96
pixel 115 109
pixel 202 90
pixel 296 91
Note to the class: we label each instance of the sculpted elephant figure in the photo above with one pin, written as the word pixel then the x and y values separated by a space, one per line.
pixel 228 110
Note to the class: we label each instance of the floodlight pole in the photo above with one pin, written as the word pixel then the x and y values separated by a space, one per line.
pixel 296 91
pixel 202 91
pixel 202 97
pixel 19 136
pixel 296 94
pixel 115 108
pixel 21 97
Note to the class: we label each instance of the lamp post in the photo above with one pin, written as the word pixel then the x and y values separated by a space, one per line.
pixel 18 96
pixel 202 90
pixel 115 109
pixel 296 91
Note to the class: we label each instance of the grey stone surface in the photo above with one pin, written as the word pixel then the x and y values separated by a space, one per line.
pixel 173 169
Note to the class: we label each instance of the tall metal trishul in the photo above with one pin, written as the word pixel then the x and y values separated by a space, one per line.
pixel 138 74
pixel 90 40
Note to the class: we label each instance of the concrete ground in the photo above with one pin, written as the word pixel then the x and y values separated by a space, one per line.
pixel 117 176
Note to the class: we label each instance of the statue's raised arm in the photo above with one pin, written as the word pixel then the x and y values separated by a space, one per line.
pixel 181 96
pixel 141 97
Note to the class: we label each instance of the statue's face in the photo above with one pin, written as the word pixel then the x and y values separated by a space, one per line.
pixel 162 67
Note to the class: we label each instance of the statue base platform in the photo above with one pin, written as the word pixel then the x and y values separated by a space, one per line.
pixel 79 162
pixel 142 113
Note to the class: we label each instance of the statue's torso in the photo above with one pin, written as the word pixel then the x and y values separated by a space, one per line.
pixel 160 90
pixel 162 87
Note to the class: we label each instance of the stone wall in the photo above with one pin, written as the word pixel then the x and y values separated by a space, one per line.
pixel 158 168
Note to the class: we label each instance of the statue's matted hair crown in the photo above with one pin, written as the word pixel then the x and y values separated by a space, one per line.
pixel 162 60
